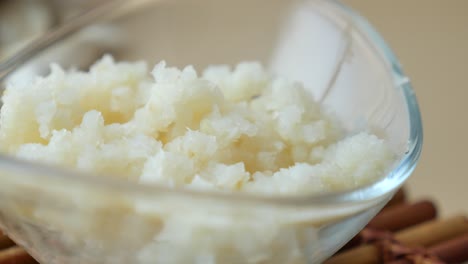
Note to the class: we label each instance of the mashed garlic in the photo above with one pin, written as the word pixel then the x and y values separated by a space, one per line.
pixel 240 130
pixel 226 130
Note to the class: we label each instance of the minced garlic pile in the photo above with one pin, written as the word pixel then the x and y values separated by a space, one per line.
pixel 226 130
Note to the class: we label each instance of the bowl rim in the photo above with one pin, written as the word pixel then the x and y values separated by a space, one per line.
pixel 379 188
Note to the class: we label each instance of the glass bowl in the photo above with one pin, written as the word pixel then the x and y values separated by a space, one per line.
pixel 63 216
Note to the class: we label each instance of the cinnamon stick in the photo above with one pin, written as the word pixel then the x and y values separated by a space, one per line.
pixel 398 198
pixel 397 218
pixel 5 242
pixel 432 232
pixel 402 261
pixel 425 234
pixel 16 255
pixel 366 254
pixel 452 251
pixel 403 216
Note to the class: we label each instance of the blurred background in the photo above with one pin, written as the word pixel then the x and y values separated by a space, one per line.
pixel 430 37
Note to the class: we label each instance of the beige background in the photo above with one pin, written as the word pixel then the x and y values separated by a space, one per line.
pixel 431 39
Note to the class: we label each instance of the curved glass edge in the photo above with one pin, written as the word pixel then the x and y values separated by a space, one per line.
pixel 372 191
pixel 409 161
